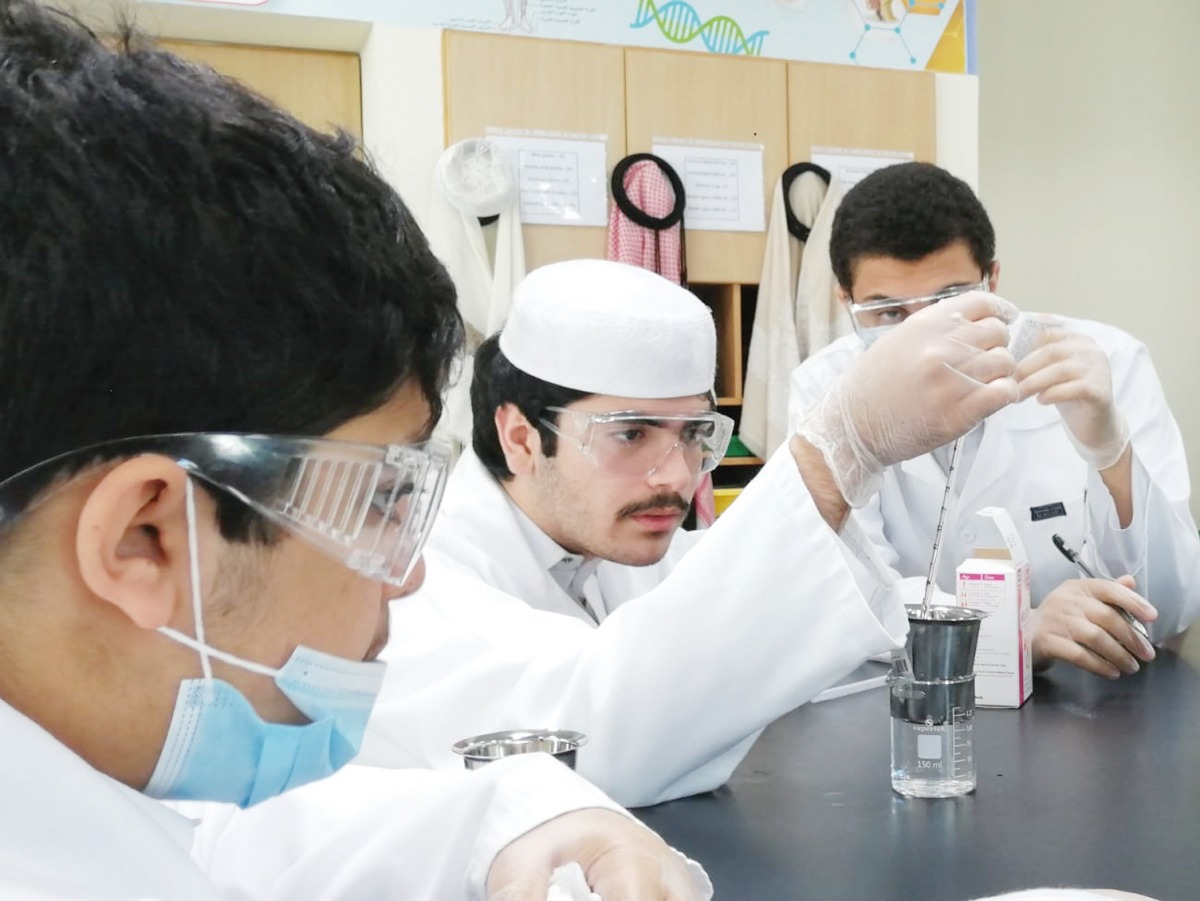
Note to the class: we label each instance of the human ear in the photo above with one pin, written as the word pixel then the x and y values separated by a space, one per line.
pixel 993 276
pixel 519 440
pixel 131 541
pixel 842 295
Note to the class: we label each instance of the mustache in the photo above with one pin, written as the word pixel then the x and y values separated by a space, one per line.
pixel 658 502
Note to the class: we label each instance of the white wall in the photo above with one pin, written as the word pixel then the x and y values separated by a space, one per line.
pixel 1089 161
pixel 403 112
pixel 958 125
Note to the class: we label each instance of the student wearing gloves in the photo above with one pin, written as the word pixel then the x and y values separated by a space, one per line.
pixel 594 422
pixel 1091 452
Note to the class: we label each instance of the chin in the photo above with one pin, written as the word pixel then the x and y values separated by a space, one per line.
pixel 640 556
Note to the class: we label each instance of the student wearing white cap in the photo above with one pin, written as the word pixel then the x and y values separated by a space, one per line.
pixel 593 423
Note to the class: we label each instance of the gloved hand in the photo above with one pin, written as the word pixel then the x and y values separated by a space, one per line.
pixel 1071 371
pixel 622 859
pixel 1077 622
pixel 929 380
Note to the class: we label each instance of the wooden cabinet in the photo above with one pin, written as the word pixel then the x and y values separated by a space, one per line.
pixel 493 81
pixel 848 106
pixel 697 96
pixel 320 88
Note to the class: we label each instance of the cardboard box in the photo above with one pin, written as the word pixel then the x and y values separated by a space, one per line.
pixel 996 580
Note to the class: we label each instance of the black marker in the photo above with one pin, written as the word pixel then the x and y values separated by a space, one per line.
pixel 1071 555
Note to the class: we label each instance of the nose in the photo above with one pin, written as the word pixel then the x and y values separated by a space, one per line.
pixel 414 581
pixel 675 472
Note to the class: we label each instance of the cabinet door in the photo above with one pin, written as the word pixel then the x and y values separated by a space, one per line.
pixel 321 88
pixel 847 106
pixel 674 94
pixel 509 82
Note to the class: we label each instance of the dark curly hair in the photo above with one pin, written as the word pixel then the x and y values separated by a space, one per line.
pixel 497 382
pixel 907 212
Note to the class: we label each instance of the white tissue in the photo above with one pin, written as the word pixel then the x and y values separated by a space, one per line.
pixel 568 883
pixel 1028 330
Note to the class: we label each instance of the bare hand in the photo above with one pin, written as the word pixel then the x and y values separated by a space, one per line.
pixel 1077 623
pixel 621 858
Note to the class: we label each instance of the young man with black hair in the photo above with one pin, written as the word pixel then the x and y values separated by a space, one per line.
pixel 1091 453
pixel 224 342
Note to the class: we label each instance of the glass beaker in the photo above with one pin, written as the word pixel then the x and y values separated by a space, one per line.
pixel 932 697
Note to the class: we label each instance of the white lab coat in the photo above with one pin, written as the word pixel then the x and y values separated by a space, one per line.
pixel 69 832
pixel 1025 462
pixel 770 608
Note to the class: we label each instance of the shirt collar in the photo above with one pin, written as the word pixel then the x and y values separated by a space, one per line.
pixel 569 570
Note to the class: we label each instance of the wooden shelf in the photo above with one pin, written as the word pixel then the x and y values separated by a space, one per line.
pixel 742 461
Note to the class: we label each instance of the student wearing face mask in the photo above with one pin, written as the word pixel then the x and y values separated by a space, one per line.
pixel 1091 453
pixel 224 342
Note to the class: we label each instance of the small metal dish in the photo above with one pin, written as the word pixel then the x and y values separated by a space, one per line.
pixel 482 749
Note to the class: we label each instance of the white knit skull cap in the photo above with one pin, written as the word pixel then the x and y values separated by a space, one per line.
pixel 611 328
pixel 475 177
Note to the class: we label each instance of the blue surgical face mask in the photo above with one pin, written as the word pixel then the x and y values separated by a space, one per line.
pixel 871 334
pixel 219 749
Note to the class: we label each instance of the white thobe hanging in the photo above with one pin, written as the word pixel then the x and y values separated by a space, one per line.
pixel 484 288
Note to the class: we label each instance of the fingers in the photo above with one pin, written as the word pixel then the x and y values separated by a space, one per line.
pixel 1083 643
pixel 984 366
pixel 974 306
pixel 1120 593
pixel 641 876
pixel 1068 360
pixel 621 860
pixel 1080 622
pixel 983 399
pixel 530 888
pixel 1069 651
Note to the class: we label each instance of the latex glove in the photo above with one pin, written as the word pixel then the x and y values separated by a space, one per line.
pixel 567 883
pixel 1076 622
pixel 1071 371
pixel 929 380
pixel 621 858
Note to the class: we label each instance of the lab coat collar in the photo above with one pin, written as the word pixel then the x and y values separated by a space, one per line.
pixel 477 512
pixel 569 571
pixel 548 553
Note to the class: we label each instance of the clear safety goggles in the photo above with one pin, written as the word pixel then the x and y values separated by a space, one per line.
pixel 636 443
pixel 876 314
pixel 367 506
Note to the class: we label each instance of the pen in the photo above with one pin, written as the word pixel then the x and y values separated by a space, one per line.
pixel 1074 557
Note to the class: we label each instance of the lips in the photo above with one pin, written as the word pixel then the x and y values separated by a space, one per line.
pixel 658 520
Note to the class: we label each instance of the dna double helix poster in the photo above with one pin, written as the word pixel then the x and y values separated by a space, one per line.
pixel 890 34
